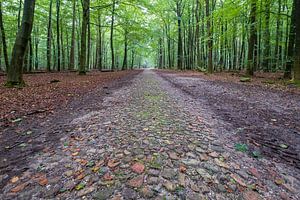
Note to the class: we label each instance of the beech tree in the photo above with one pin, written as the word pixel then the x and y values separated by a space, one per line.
pixel 14 71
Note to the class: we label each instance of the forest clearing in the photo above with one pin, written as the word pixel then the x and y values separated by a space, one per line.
pixel 160 99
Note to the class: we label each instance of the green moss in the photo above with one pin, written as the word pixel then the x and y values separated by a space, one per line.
pixel 245 79
pixel 13 84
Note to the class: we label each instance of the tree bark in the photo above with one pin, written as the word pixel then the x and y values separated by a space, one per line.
pixel 112 36
pixel 296 75
pixel 124 67
pixel 291 44
pixel 180 45
pixel 49 38
pixel 86 7
pixel 15 74
pixel 73 41
pixel 3 38
pixel 252 40
pixel 209 42
pixel 58 33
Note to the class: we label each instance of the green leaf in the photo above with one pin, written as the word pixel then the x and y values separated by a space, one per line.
pixel 17 120
pixel 241 147
pixel 284 146
pixel 80 186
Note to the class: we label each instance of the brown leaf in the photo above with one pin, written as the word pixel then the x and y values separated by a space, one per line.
pixel 19 188
pixel 14 179
pixel 112 163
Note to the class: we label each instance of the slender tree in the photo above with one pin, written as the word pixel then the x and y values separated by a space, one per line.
pixel 296 75
pixel 58 33
pixel 112 35
pixel 14 72
pixel 85 11
pixel 49 37
pixel 252 40
pixel 209 42
pixel 3 38
pixel 73 41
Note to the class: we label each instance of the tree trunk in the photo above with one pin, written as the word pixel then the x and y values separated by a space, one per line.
pixel 100 53
pixel 291 44
pixel 58 33
pixel 36 63
pixel 49 38
pixel 296 76
pixel 209 42
pixel 267 37
pixel 86 10
pixel 112 36
pixel 3 38
pixel 180 45
pixel 124 67
pixel 15 75
pixel 252 40
pixel 73 41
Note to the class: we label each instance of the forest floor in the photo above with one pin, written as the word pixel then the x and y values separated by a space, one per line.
pixel 150 135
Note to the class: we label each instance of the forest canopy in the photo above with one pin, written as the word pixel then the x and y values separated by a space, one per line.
pixel 206 35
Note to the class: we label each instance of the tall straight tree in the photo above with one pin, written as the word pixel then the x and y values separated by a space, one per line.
pixel 291 44
pixel 112 35
pixel 14 72
pixel 49 37
pixel 209 42
pixel 252 40
pixel 73 41
pixel 296 75
pixel 85 15
pixel 179 13
pixel 3 38
pixel 58 33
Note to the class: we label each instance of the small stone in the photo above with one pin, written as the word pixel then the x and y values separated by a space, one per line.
pixel 68 173
pixel 203 173
pixel 104 194
pixel 173 156
pixel 181 179
pixel 136 182
pixel 169 186
pixel 138 168
pixel 214 154
pixel 147 192
pixel 194 187
pixel 203 157
pixel 153 172
pixel 152 180
pixel 85 191
pixel 129 193
pixel 191 162
pixel 168 173
pixel 191 155
pixel 200 150
pixel 127 152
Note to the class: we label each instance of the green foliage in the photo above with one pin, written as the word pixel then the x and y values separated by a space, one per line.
pixel 241 147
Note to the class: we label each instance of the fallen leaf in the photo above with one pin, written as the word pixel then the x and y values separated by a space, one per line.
pixel 112 163
pixel 182 169
pixel 19 188
pixel 43 181
pixel 14 179
pixel 80 186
